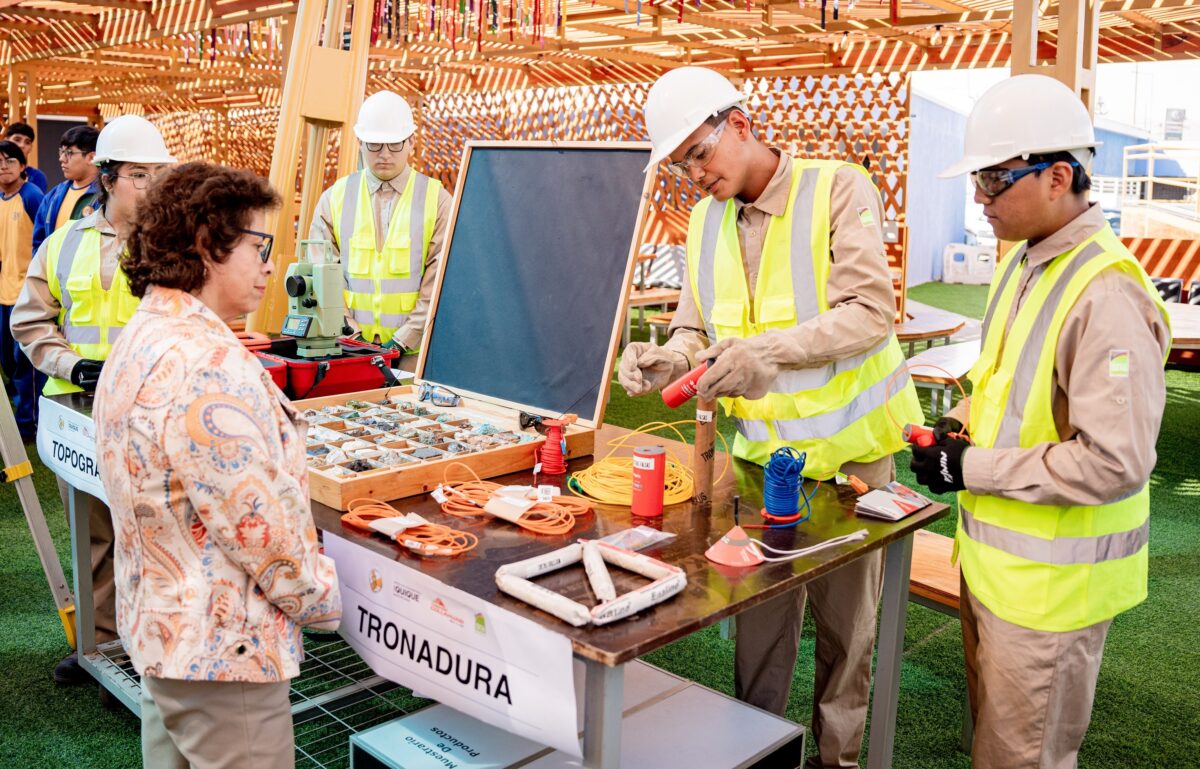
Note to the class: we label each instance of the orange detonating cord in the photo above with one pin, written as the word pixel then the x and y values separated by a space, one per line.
pixel 467 499
pixel 427 539
pixel 887 406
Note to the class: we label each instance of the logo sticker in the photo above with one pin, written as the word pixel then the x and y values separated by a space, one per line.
pixel 375 581
pixel 1118 364
pixel 866 217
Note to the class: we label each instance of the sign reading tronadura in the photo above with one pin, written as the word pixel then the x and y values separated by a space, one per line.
pixel 455 648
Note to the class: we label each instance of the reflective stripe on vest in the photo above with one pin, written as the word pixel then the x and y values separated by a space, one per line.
pixel 804 408
pixel 1060 551
pixel 1014 260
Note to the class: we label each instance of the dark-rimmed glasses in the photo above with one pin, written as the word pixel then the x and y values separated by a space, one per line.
pixel 264 250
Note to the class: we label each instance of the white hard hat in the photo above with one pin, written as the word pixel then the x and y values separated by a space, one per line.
pixel 1025 115
pixel 679 102
pixel 131 139
pixel 383 118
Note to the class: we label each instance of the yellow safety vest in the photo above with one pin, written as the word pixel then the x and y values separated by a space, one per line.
pixel 1046 567
pixel 383 287
pixel 835 413
pixel 91 318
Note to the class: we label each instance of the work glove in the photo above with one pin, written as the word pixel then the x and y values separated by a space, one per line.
pixel 743 369
pixel 86 374
pixel 940 466
pixel 647 367
pixel 946 426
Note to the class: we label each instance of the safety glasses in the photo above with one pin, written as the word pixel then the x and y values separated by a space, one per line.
pixel 700 155
pixel 392 146
pixel 438 396
pixel 993 181
pixel 264 249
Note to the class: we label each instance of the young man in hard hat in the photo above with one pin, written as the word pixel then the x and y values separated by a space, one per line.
pixel 388 224
pixel 23 135
pixel 790 299
pixel 73 306
pixel 1068 396
pixel 19 201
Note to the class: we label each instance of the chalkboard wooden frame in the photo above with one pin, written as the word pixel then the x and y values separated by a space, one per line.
pixel 596 417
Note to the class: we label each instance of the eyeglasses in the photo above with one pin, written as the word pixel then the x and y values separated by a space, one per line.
pixel 139 179
pixel 699 155
pixel 438 396
pixel 392 146
pixel 66 154
pixel 264 250
pixel 993 181
pixel 9 162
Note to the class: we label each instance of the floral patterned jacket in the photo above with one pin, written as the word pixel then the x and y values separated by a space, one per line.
pixel 202 458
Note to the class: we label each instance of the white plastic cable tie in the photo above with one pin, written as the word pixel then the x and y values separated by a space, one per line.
pixel 439 495
pixel 548 493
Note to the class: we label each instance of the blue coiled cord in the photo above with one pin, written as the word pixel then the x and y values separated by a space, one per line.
pixel 782 489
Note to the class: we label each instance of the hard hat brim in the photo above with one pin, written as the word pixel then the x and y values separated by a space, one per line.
pixel 99 161
pixel 664 148
pixel 383 137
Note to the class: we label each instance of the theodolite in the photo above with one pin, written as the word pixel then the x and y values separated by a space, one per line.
pixel 316 302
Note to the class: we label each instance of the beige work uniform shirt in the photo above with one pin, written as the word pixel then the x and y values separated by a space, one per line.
pixel 1109 424
pixel 35 315
pixel 384 196
pixel 861 300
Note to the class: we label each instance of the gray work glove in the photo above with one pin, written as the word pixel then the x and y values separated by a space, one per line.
pixel 742 368
pixel 648 367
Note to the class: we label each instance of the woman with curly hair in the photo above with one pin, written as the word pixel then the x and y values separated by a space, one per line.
pixel 202 457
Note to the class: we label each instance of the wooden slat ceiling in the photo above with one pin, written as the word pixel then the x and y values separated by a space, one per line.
pixel 171 55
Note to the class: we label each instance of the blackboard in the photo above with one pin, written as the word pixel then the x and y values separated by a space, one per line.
pixel 535 274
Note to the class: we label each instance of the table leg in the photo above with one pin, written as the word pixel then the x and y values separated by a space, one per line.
pixel 604 691
pixel 947 399
pixel 889 653
pixel 81 565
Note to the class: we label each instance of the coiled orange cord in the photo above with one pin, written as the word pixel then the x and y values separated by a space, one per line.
pixel 908 367
pixel 428 539
pixel 466 499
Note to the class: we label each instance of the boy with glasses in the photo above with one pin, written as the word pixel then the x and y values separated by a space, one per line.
pixel 19 201
pixel 1067 399
pixel 790 287
pixel 388 224
pixel 75 302
pixel 22 135
pixel 75 197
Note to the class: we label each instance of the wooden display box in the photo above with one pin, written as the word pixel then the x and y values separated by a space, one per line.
pixel 422 476
pixel 526 316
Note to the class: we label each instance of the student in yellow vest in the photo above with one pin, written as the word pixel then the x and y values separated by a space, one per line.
pixel 73 306
pixel 1068 396
pixel 19 202
pixel 388 224
pixel 788 284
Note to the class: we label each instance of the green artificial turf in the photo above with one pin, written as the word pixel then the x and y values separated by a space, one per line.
pixel 1147 711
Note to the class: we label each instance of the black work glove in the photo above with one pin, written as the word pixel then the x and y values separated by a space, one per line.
pixel 940 467
pixel 86 374
pixel 944 426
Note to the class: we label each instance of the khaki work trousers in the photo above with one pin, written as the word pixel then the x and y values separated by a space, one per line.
pixel 216 725
pixel 1031 691
pixel 844 605
pixel 104 592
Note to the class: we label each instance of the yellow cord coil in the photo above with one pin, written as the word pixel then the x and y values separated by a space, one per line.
pixel 609 480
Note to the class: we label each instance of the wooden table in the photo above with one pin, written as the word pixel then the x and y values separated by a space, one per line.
pixel 928 328
pixel 942 366
pixel 713 592
pixel 648 297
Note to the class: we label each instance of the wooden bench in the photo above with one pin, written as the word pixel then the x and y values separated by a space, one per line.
pixel 661 321
pixel 936 369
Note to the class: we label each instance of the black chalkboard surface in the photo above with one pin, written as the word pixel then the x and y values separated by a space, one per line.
pixel 535 274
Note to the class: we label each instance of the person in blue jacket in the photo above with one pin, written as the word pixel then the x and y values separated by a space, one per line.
pixel 74 198
pixel 19 201
pixel 22 135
